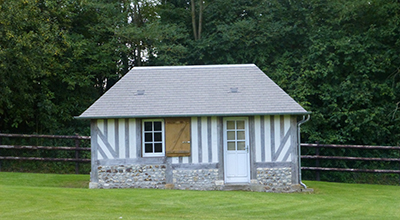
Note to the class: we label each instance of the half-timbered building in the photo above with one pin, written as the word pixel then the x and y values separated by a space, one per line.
pixel 206 127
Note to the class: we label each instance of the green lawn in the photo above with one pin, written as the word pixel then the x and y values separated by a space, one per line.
pixel 50 196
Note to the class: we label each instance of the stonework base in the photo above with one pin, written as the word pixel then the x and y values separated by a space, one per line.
pixel 132 176
pixel 275 179
pixel 155 176
pixel 200 179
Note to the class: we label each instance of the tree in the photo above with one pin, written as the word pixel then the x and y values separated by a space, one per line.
pixel 32 44
pixel 338 59
pixel 197 31
pixel 347 72
pixel 57 57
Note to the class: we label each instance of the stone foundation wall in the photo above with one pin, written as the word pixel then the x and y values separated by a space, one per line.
pixel 132 176
pixel 154 176
pixel 201 179
pixel 275 179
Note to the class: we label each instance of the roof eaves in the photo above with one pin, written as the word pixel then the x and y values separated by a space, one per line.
pixel 192 115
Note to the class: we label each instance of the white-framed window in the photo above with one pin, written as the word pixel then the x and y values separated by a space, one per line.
pixel 153 137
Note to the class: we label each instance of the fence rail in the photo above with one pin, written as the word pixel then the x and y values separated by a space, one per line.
pixel 42 147
pixel 351 146
pixel 350 170
pixel 349 158
pixel 75 137
pixel 317 157
pixel 46 159
pixel 77 148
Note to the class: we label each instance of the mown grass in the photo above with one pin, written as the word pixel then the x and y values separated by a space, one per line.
pixel 49 196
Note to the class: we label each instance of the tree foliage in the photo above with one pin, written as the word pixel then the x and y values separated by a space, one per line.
pixel 36 91
pixel 339 59
pixel 347 72
pixel 58 56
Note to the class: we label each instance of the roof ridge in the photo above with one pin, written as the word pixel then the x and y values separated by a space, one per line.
pixel 195 66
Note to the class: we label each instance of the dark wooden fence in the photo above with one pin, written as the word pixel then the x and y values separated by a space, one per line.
pixel 317 157
pixel 77 148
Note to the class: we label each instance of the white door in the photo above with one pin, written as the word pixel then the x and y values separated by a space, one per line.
pixel 236 148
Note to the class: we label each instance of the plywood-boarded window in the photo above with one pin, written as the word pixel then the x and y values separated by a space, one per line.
pixel 177 137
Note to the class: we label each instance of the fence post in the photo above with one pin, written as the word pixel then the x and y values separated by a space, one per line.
pixel 317 176
pixel 77 142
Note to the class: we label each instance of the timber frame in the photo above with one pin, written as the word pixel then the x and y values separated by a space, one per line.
pixel 197 148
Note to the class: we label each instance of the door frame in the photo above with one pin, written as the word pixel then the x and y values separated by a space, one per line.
pixel 225 147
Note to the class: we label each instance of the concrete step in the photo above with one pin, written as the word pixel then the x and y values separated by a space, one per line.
pixel 237 187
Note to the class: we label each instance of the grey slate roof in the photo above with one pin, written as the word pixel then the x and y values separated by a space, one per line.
pixel 203 90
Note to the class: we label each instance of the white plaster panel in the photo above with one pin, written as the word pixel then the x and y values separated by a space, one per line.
pixel 204 140
pixel 175 159
pixel 111 133
pixel 257 133
pixel 121 138
pixel 194 140
pixel 277 132
pixel 104 148
pixel 287 124
pixel 132 138
pixel 284 151
pixel 100 125
pixel 267 136
pixel 286 147
pixel 214 142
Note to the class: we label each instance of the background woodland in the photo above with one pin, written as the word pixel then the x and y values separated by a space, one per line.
pixel 338 59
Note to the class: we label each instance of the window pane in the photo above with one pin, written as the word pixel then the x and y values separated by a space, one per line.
pixel 240 124
pixel 240 135
pixel 148 148
pixel 231 145
pixel 157 136
pixel 231 135
pixel 230 125
pixel 148 137
pixel 157 126
pixel 158 148
pixel 241 145
pixel 148 126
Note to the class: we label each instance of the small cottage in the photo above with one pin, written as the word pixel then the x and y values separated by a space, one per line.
pixel 206 127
